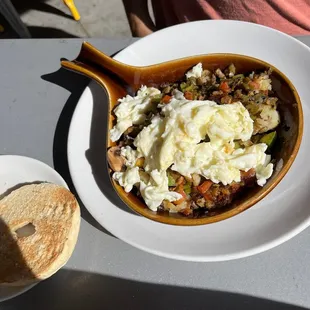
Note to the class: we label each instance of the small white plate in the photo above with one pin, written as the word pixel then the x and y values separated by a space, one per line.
pixel 14 172
pixel 281 215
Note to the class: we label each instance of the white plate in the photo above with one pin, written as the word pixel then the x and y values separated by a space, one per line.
pixel 283 214
pixel 14 172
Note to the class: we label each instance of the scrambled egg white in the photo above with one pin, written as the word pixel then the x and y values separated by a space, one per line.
pixel 155 190
pixel 128 178
pixel 130 156
pixel 196 71
pixel 175 140
pixel 218 165
pixel 189 122
pixel 132 111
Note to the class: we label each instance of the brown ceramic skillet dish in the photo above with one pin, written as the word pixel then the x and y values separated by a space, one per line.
pixel 117 78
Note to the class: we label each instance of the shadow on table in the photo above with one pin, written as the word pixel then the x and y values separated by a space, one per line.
pixel 13 266
pixel 70 289
pixel 96 155
pixel 48 32
pixel 97 152
pixel 75 84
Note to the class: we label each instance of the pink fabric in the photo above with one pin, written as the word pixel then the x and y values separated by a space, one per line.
pixel 290 16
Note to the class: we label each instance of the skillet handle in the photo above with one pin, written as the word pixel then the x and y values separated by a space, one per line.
pixel 91 61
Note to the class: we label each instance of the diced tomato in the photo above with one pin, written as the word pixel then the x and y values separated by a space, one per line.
pixel 188 95
pixel 166 99
pixel 177 202
pixel 180 190
pixel 202 188
pixel 224 87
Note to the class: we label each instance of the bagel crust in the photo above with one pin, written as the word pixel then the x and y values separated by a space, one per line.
pixel 54 213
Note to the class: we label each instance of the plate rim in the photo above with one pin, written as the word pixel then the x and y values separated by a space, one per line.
pixel 120 53
pixel 197 258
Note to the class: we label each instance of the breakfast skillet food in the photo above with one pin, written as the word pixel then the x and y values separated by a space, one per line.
pixel 195 145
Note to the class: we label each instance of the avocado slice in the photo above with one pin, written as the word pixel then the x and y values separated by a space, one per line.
pixel 171 180
pixel 187 188
pixel 269 139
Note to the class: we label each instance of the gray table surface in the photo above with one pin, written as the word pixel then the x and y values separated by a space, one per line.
pixel 37 101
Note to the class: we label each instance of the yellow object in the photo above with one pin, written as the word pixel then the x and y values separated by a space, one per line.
pixel 74 11
pixel 1 29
